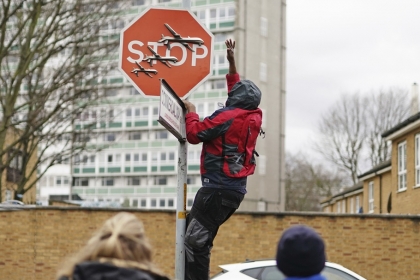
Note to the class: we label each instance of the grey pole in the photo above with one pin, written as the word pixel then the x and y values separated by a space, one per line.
pixel 181 211
pixel 181 198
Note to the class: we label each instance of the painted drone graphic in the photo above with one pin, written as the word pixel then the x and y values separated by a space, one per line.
pixel 166 40
pixel 141 69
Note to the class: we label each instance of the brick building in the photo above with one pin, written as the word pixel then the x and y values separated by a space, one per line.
pixel 347 201
pixel 13 159
pixel 393 186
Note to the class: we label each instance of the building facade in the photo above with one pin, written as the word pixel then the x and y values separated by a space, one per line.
pixel 15 170
pixel 136 163
pixel 393 186
pixel 347 201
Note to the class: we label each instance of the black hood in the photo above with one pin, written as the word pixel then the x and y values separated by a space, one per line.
pixel 245 95
pixel 107 271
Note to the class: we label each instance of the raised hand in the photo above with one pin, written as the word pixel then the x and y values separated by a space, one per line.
pixel 230 45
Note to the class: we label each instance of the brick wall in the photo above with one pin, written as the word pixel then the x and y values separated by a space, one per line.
pixel 34 241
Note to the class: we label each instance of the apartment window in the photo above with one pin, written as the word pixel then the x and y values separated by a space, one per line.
pixel 162 202
pixel 263 72
pixel 134 181
pixel 191 180
pixel 143 202
pixel 136 157
pixel 161 181
pixel 202 14
pixel 170 202
pixel 133 91
pixel 222 60
pixel 144 157
pixel 15 168
pixel 162 134
pixel 417 159
pixel 134 135
pixel 213 13
pixel 370 197
pixel 111 92
pixel 402 166
pixel 264 26
pixel 222 13
pixel 171 156
pixel 107 182
pixel 127 157
pixel 128 112
pixel 138 2
pixel 155 111
pixel 210 108
pixel 111 113
pixel 110 137
pixel 262 164
pixel 163 156
pixel 135 203
pixel 189 202
pixel 145 111
pixel 153 202
pixel 81 182
pixel 231 11
pixel 62 181
pixel 200 109
pixel 357 207
pixel 154 156
pixel 221 37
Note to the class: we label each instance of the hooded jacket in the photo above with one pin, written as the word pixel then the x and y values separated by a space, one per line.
pixel 91 270
pixel 221 135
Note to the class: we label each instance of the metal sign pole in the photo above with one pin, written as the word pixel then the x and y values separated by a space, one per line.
pixel 181 211
pixel 181 197
pixel 172 117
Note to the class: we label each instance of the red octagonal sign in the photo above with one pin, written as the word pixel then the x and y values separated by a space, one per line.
pixel 166 43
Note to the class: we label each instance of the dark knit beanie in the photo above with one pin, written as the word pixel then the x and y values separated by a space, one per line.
pixel 300 252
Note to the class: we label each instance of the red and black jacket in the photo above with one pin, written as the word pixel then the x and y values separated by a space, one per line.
pixel 224 163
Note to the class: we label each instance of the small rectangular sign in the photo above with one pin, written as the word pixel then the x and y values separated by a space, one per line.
pixel 171 111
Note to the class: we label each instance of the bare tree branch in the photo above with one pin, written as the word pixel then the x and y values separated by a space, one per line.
pixel 350 131
pixel 52 57
pixel 307 183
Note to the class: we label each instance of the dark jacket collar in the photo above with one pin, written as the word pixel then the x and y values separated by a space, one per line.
pixel 103 271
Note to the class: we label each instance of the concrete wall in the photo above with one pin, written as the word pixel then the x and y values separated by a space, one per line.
pixel 34 241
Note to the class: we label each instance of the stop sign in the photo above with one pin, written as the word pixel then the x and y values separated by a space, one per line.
pixel 166 43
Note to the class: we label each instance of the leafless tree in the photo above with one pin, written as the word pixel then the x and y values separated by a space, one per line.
pixel 52 58
pixel 350 131
pixel 342 133
pixel 387 109
pixel 307 183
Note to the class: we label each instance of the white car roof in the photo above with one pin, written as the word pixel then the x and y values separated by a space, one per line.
pixel 261 263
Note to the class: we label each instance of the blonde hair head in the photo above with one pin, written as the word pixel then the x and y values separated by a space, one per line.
pixel 121 241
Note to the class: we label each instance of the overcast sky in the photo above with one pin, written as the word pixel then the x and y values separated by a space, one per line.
pixel 339 46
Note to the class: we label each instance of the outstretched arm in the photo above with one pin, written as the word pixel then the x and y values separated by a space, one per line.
pixel 230 45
